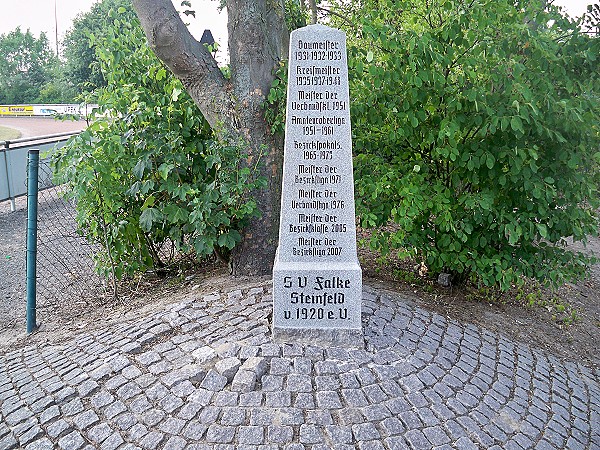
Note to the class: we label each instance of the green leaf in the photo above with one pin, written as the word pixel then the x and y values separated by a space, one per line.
pixel 369 56
pixel 543 230
pixel 516 124
pixel 161 74
pixel 230 239
pixel 150 201
pixel 175 94
pixel 148 217
pixel 165 169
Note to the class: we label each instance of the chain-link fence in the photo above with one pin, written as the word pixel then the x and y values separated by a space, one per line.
pixel 65 266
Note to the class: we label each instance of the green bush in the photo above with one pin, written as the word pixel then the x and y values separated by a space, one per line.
pixel 475 128
pixel 147 170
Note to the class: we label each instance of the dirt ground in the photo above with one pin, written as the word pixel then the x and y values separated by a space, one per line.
pixel 41 126
pixel 541 326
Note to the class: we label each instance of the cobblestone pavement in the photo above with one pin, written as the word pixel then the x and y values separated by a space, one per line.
pixel 204 374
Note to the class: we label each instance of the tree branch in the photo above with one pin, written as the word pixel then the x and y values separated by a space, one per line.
pixel 189 61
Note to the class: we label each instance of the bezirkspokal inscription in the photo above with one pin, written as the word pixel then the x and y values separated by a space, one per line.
pixel 317 281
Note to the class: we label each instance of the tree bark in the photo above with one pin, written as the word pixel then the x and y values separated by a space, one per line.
pixel 258 41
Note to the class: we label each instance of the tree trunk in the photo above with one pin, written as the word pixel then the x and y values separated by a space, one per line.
pixel 258 41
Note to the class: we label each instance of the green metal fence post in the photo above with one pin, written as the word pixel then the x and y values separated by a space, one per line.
pixel 32 207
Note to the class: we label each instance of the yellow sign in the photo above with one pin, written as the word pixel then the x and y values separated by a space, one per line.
pixel 16 110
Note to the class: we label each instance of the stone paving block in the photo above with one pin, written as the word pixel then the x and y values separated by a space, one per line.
pixel 226 398
pixel 228 367
pixel 244 381
pixel 298 383
pixel 33 433
pixel 311 434
pixel 278 399
pixel 56 429
pixel 302 365
pixel 85 419
pixel 290 416
pixel 113 442
pixel 8 442
pixel 4 429
pixel 152 417
pixel 256 364
pixel 371 445
pixel 49 414
pixel 272 383
pixel 114 409
pixel 327 383
pixel 213 381
pixel 250 435
pixel 194 431
pixel 87 388
pixel 40 444
pixel 128 390
pixel 71 441
pixel 318 417
pixel 227 350
pixel 436 436
pixel 98 433
pixel 220 434
pixel 365 432
pixel 101 399
pixel 136 432
pixel 175 443
pixel 170 403
pixel 148 358
pixel 248 351
pixel 205 355
pixel 375 394
pixel 160 367
pixel 125 421
pixel 280 434
pixel 305 400
pixel 18 416
pixel 152 440
pixel 172 425
pixel 392 426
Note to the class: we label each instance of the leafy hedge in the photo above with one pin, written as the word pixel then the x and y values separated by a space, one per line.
pixel 476 133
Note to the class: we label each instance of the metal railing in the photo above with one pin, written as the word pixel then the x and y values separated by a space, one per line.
pixel 13 163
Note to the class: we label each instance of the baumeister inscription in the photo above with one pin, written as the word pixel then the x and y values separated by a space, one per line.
pixel 317 281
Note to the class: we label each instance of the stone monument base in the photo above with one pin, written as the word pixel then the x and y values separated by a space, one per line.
pixel 322 337
pixel 318 304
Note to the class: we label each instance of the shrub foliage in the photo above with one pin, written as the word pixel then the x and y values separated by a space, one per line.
pixel 147 170
pixel 476 133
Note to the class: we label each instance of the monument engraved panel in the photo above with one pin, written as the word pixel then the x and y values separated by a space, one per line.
pixel 317 280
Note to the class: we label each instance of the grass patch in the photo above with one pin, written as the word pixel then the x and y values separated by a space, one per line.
pixel 7 134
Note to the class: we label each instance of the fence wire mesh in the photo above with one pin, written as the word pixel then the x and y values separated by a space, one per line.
pixel 65 265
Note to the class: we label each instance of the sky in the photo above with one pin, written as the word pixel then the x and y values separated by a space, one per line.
pixel 38 15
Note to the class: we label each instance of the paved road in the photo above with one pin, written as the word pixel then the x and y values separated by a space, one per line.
pixel 204 374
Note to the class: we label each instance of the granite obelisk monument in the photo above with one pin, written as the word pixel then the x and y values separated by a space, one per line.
pixel 317 280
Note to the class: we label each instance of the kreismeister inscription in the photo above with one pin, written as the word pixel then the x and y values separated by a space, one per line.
pixel 317 281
